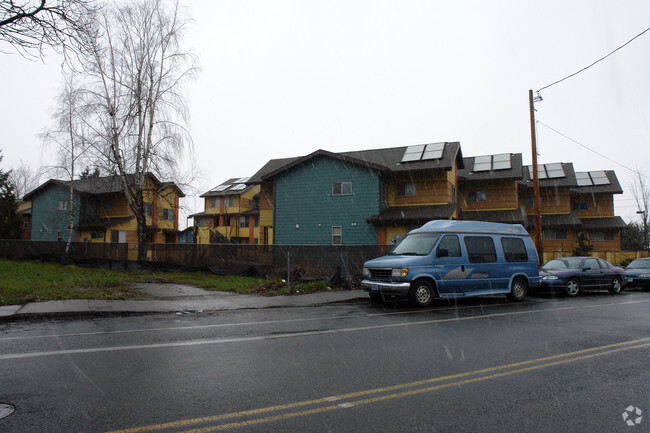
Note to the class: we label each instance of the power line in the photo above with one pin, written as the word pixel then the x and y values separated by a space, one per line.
pixel 597 61
pixel 589 149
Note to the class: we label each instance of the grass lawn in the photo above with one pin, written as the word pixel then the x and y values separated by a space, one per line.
pixel 23 282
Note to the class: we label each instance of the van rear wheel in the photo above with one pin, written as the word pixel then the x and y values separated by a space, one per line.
pixel 518 290
pixel 422 293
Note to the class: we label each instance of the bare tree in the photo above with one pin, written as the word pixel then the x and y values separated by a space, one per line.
pixel 134 101
pixel 641 193
pixel 68 138
pixel 25 178
pixel 31 25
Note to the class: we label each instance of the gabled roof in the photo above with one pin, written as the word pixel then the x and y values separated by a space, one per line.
pixel 234 186
pixel 594 183
pixel 512 171
pixel 559 174
pixel 383 160
pixel 99 185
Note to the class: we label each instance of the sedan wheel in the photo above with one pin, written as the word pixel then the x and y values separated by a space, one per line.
pixel 572 287
pixel 616 286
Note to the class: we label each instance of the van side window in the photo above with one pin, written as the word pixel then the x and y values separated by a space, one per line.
pixel 448 247
pixel 480 249
pixel 514 250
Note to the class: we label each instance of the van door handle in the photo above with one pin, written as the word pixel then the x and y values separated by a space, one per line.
pixel 462 269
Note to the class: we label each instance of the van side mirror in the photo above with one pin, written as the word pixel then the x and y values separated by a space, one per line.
pixel 443 252
pixel 585 268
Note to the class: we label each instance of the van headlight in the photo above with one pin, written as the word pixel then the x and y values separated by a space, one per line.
pixel 547 277
pixel 365 272
pixel 399 272
pixel 644 276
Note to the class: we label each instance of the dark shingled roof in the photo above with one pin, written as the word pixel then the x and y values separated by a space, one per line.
pixel 413 214
pixel 385 160
pixel 499 216
pixel 612 223
pixel 515 172
pixel 227 188
pixel 569 180
pixel 559 220
pixel 614 186
pixel 100 185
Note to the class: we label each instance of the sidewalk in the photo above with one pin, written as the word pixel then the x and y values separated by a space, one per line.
pixel 167 298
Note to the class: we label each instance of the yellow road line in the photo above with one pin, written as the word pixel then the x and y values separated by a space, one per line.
pixel 514 368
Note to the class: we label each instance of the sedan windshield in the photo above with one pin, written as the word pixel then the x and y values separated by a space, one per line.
pixel 639 264
pixel 565 263
pixel 417 244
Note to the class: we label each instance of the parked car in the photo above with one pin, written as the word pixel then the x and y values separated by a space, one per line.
pixel 637 273
pixel 573 274
pixel 455 259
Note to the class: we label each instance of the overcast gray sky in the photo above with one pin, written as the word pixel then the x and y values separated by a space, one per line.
pixel 285 78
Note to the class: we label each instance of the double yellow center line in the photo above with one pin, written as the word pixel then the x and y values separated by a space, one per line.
pixel 344 401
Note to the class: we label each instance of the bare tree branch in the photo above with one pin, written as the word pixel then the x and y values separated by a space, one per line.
pixel 30 26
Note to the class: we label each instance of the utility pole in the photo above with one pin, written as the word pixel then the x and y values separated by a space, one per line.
pixel 536 202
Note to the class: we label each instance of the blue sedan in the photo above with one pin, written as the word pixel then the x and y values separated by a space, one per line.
pixel 638 272
pixel 573 274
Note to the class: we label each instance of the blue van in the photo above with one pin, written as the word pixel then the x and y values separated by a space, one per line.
pixel 455 259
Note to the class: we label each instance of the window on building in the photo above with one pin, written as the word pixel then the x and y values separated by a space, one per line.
pixel 579 205
pixel 480 249
pixel 257 220
pixel 405 189
pixel 59 237
pixel 215 203
pixel 342 188
pixel 168 214
pixel 228 202
pixel 96 234
pixel 602 236
pixel 107 206
pixel 63 205
pixel 148 209
pixel 243 222
pixel 476 196
pixel 554 235
pixel 453 194
pixel 25 223
pixel 514 250
pixel 337 235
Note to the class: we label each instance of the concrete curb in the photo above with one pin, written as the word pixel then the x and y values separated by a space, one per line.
pixel 175 298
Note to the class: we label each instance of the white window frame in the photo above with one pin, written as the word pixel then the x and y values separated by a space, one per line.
pixel 341 188
pixel 337 232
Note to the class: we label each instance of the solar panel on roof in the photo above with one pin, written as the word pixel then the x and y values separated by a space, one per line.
pixel 242 180
pixel 555 171
pixel 541 171
pixel 599 177
pixel 221 187
pixel 483 163
pixel 433 151
pixel 583 179
pixel 501 162
pixel 413 153
pixel 238 187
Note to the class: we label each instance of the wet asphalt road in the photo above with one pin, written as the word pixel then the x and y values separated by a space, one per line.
pixel 545 365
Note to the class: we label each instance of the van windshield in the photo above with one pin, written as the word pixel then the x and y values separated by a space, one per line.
pixel 417 244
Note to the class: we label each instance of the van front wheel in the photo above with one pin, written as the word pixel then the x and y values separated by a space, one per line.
pixel 518 290
pixel 422 293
